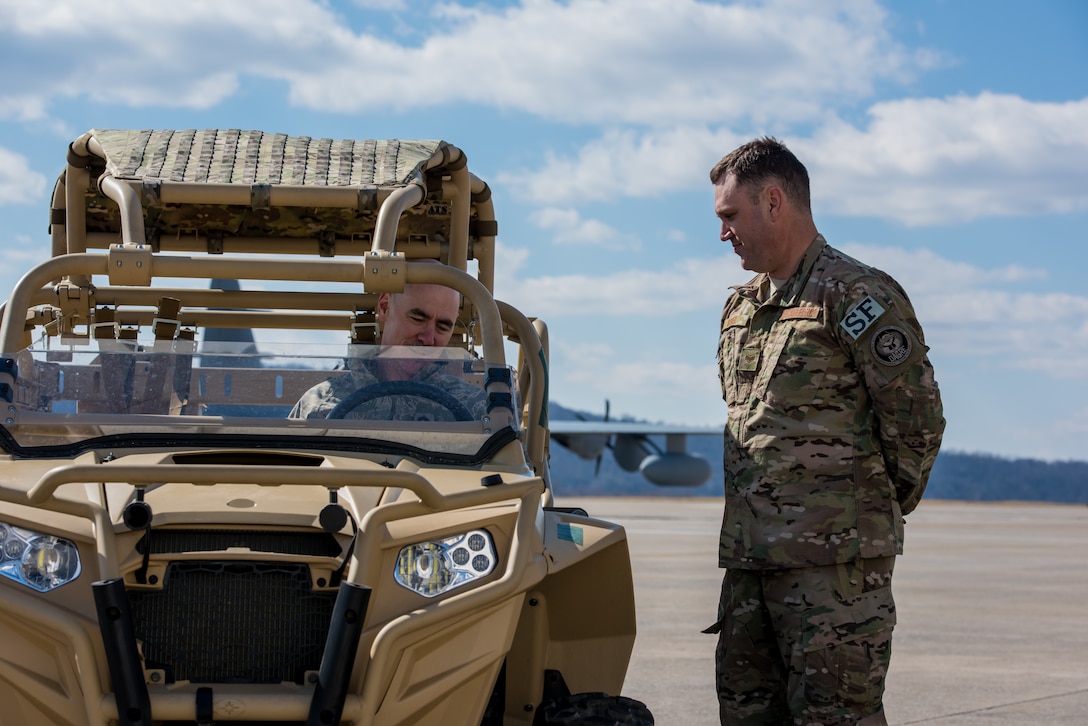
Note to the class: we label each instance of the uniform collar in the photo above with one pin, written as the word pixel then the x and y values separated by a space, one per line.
pixel 796 284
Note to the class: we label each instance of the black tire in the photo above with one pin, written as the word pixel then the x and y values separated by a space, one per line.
pixel 594 709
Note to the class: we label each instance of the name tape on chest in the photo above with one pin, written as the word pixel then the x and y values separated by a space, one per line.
pixel 861 317
pixel 805 312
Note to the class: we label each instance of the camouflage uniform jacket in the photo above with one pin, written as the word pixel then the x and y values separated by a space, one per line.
pixel 323 398
pixel 834 419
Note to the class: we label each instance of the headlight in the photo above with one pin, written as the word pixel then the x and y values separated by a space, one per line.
pixel 39 561
pixel 432 568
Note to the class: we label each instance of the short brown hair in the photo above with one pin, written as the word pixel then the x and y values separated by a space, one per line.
pixel 761 161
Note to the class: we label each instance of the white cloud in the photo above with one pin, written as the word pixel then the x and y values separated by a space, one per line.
pixel 654 389
pixel 990 313
pixel 568 227
pixel 182 54
pixel 620 61
pixel 625 163
pixel 21 252
pixel 26 107
pixel 920 162
pixel 689 284
pixel 385 5
pixel 923 271
pixel 18 184
pixel 635 61
pixel 513 259
pixel 24 249
pixel 627 66
pixel 931 161
pixel 589 355
pixel 634 352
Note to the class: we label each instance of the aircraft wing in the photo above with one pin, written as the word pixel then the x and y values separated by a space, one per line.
pixel 634 450
pixel 576 428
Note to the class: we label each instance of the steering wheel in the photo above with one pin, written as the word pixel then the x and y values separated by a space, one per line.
pixel 402 388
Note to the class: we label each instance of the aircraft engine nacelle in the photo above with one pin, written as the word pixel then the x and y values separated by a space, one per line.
pixel 675 469
pixel 634 450
pixel 585 446
pixel 630 451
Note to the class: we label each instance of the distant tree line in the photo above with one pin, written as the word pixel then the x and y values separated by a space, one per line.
pixel 960 476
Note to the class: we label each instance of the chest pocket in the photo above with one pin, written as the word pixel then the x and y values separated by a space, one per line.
pixel 794 381
pixel 736 385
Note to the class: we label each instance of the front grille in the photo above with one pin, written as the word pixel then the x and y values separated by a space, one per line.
pixel 298 544
pixel 233 622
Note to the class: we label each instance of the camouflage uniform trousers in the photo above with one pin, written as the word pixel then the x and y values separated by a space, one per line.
pixel 808 646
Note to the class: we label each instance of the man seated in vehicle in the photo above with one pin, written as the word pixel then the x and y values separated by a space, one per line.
pixel 401 382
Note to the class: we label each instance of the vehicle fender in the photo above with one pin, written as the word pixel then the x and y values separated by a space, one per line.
pixel 579 620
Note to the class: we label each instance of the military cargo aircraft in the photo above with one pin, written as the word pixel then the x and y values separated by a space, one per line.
pixel 634 450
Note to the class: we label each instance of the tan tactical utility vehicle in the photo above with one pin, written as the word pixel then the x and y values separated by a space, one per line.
pixel 180 545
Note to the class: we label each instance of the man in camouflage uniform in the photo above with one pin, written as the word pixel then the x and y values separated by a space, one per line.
pixel 834 423
pixel 422 316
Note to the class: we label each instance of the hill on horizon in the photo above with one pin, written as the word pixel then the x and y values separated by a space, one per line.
pixel 956 475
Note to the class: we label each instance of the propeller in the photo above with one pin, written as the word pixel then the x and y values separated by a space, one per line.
pixel 634 449
pixel 607 440
pixel 608 444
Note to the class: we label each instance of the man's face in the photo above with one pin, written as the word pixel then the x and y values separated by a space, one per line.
pixel 422 315
pixel 746 224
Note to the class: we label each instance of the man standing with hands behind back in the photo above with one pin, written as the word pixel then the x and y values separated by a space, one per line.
pixel 834 423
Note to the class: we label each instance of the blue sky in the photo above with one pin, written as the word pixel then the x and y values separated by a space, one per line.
pixel 947 141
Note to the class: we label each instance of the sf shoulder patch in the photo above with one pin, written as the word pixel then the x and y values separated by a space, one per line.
pixel 861 316
pixel 891 345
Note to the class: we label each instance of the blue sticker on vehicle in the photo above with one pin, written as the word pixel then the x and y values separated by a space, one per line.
pixel 570 533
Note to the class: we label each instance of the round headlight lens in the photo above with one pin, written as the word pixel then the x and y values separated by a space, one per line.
pixel 432 568
pixel 12 549
pixel 425 568
pixel 49 562
pixel 39 561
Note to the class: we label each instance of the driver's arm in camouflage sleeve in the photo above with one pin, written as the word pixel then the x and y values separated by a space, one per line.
pixel 890 354
pixel 322 398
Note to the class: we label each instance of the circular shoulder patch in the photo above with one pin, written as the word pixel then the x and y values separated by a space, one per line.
pixel 891 345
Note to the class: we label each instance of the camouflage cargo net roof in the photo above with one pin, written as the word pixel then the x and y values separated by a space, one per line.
pixel 256 157
pixel 251 158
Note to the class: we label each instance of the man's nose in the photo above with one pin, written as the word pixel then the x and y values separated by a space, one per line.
pixel 426 335
pixel 726 234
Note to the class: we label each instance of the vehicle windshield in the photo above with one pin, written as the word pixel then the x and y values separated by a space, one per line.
pixel 438 402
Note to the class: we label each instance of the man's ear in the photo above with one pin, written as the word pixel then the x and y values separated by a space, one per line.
pixel 775 200
pixel 381 308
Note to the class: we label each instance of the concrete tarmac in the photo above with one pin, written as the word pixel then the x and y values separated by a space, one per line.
pixel 992 604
